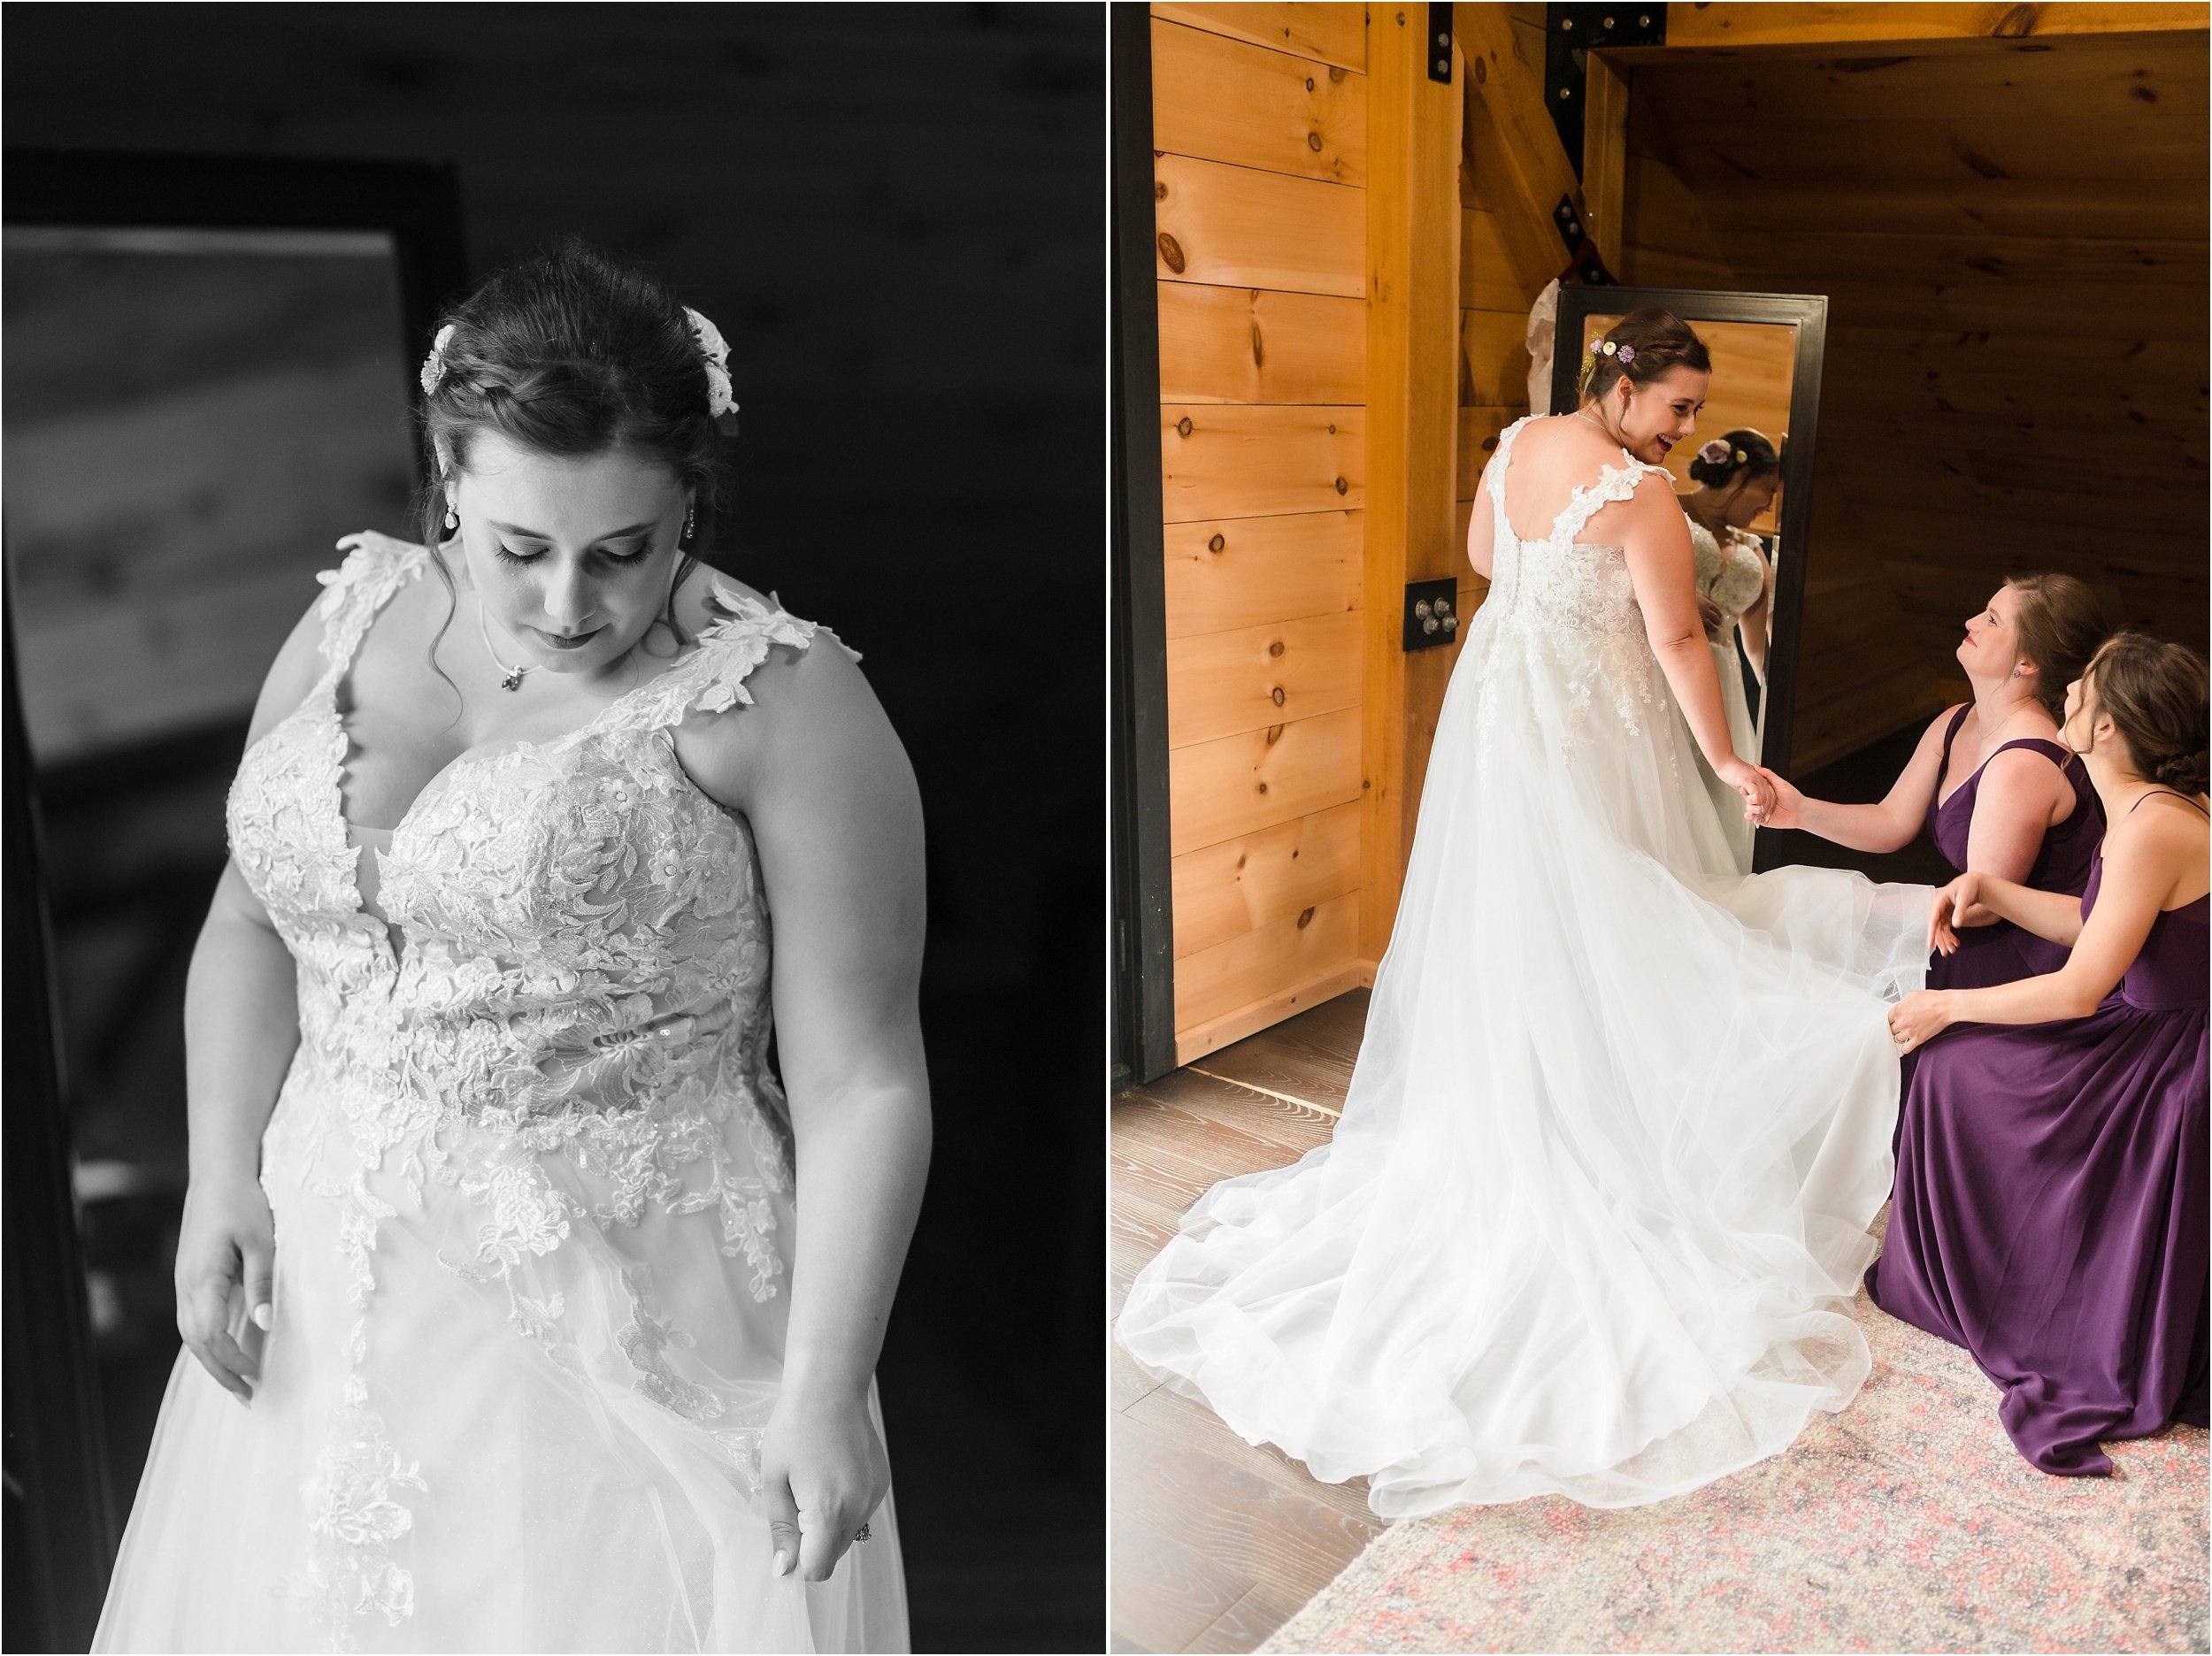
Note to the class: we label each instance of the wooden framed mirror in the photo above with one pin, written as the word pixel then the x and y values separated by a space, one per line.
pixel 1767 352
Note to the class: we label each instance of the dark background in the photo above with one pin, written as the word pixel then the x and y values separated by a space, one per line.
pixel 896 216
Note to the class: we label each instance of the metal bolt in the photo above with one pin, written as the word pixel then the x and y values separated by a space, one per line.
pixel 1443 39
pixel 1608 22
pixel 1443 65
pixel 1567 23
pixel 1565 93
pixel 1451 624
pixel 1421 608
pixel 1429 626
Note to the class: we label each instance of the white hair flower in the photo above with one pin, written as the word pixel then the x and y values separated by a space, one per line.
pixel 434 365
pixel 717 354
pixel 1714 452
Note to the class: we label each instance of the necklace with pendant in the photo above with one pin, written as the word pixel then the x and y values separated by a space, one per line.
pixel 511 678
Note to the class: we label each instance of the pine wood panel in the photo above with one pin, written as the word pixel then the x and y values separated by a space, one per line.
pixel 1493 358
pixel 1225 99
pixel 2165 313
pixel 1977 262
pixel 1929 148
pixel 1604 150
pixel 1488 278
pixel 1199 1041
pixel 1237 572
pixel 1479 429
pixel 1738 23
pixel 1219 684
pixel 1224 891
pixel 1219 461
pixel 1248 345
pixel 2112 208
pixel 1216 981
pixel 1221 790
pixel 1332 31
pixel 1240 227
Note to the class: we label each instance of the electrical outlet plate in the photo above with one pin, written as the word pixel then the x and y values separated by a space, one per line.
pixel 1431 614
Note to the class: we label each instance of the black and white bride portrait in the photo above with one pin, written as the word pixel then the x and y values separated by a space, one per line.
pixel 1660 832
pixel 554 827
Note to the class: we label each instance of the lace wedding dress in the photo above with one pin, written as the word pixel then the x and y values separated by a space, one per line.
pixel 1601 1191
pixel 1733 576
pixel 532 1182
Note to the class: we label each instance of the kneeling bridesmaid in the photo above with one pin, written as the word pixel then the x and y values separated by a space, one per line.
pixel 2050 1207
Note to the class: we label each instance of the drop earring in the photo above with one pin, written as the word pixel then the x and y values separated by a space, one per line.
pixel 691 514
pixel 452 517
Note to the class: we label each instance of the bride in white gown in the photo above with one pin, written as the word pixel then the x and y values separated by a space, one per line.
pixel 1621 1118
pixel 502 1331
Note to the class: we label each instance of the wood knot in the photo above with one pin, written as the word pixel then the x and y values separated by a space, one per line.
pixel 1308 83
pixel 1263 787
pixel 1305 920
pixel 1336 75
pixel 1332 431
pixel 1276 694
pixel 1216 543
pixel 1274 734
pixel 1343 487
pixel 1313 142
pixel 2143 94
pixel 1482 72
pixel 1170 253
pixel 1259 347
pixel 1276 649
pixel 1159 192
pixel 1182 427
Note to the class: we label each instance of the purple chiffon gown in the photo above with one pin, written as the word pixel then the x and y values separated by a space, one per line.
pixel 2050 1206
pixel 2002 953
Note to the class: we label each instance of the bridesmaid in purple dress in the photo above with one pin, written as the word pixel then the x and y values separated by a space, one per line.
pixel 1989 783
pixel 2050 1208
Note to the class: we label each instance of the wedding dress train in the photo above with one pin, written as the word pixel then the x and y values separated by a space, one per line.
pixel 1621 1118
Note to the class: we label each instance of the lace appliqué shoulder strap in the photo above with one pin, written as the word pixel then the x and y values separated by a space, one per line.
pixel 1502 528
pixel 358 588
pixel 712 678
pixel 1611 485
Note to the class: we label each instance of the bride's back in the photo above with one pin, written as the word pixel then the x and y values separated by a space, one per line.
pixel 1549 463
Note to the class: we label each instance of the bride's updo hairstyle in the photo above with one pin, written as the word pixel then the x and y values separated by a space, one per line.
pixel 2059 624
pixel 2153 690
pixel 573 352
pixel 1640 347
pixel 1750 455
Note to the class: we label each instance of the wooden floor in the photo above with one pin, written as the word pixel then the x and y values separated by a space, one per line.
pixel 1217 1543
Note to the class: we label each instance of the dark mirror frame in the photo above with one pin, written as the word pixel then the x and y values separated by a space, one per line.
pixel 60 1533
pixel 1809 313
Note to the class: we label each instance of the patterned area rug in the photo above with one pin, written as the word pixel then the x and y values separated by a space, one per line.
pixel 1907 1522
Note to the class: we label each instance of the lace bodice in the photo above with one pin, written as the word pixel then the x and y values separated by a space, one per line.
pixel 1732 576
pixel 564 1024
pixel 1572 600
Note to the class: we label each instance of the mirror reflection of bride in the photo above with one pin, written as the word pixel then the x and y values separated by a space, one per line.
pixel 1738 475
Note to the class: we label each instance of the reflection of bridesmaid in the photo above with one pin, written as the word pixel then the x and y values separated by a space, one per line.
pixel 1737 476
pixel 1990 783
pixel 2050 1207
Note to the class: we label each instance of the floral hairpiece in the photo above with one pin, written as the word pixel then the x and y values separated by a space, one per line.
pixel 1625 354
pixel 1718 453
pixel 709 339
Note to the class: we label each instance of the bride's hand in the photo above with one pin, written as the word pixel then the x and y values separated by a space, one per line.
pixel 1754 784
pixel 1789 804
pixel 1952 907
pixel 824 1474
pixel 1919 1018
pixel 1710 613
pixel 226 1267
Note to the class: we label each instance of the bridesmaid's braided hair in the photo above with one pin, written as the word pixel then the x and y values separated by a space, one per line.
pixel 2153 690
pixel 2059 624
pixel 573 352
pixel 1655 341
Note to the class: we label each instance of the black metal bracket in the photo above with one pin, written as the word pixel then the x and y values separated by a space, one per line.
pixel 1432 618
pixel 1585 265
pixel 1440 44
pixel 1570 33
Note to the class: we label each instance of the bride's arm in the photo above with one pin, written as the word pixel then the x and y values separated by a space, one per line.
pixel 1655 537
pixel 241 1029
pixel 815 768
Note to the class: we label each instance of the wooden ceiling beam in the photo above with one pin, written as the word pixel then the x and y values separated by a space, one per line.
pixel 1740 25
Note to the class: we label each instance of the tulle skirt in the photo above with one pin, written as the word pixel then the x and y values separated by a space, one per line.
pixel 539 1443
pixel 1618 1126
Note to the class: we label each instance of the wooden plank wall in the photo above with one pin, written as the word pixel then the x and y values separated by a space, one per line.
pixel 2012 236
pixel 1260 171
